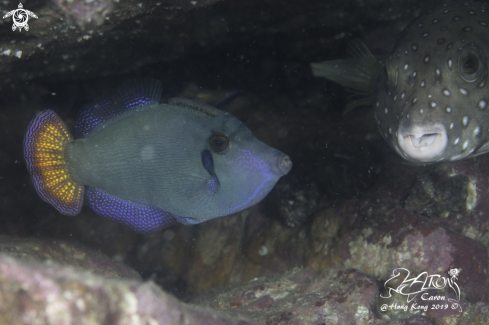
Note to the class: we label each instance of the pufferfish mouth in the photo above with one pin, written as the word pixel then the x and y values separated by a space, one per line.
pixel 423 143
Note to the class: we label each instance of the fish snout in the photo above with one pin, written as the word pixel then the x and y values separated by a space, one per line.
pixel 423 143
pixel 284 163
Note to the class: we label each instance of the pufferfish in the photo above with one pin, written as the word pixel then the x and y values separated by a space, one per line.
pixel 430 95
pixel 148 164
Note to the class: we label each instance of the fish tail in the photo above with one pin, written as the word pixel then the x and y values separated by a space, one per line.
pixel 44 145
pixel 359 73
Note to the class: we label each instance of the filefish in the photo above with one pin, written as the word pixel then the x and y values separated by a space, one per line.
pixel 430 95
pixel 148 164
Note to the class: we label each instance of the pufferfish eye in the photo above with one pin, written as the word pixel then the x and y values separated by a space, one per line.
pixel 219 143
pixel 471 63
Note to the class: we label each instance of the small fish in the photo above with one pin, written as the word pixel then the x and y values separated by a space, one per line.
pixel 148 164
pixel 430 96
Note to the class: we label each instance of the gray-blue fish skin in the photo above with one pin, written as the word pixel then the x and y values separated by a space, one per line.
pixel 431 99
pixel 160 155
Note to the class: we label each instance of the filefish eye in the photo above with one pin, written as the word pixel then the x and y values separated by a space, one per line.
pixel 219 143
pixel 471 63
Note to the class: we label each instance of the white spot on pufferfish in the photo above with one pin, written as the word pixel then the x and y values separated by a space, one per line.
pixel 451 126
pixel 426 34
pixel 421 111
pixel 378 104
pixel 386 110
pixel 423 83
pixel 433 104
pixel 438 72
pixel 446 92
pixel 466 144
pixel 463 91
pixel 390 130
pixel 456 141
pixel 449 109
pixel 414 47
pixel 406 66
pixel 414 100
pixel 465 120
pixel 476 131
pixel 426 59
pixel 450 63
pixel 403 94
pixel 482 104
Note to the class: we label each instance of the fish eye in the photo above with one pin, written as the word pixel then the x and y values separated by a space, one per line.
pixel 471 63
pixel 219 143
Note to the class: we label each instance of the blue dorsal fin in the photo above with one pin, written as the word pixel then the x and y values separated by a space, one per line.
pixel 142 218
pixel 197 106
pixel 130 95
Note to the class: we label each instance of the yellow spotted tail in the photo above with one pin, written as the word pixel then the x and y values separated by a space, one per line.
pixel 44 144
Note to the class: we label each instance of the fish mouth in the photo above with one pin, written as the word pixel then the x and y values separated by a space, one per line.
pixel 423 143
pixel 284 164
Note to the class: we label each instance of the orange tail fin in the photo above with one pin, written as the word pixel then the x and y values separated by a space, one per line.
pixel 44 144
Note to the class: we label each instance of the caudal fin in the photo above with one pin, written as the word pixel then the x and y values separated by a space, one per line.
pixel 44 144
pixel 359 73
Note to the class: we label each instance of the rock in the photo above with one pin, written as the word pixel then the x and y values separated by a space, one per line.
pixel 66 33
pixel 401 239
pixel 304 297
pixel 64 253
pixel 34 293
pixel 80 39
pixel 438 194
pixel 414 320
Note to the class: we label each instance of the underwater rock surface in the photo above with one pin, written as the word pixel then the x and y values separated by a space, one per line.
pixel 80 39
pixel 65 253
pixel 34 293
pixel 305 297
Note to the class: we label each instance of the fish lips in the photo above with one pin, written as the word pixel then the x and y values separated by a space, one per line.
pixel 283 163
pixel 423 143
